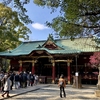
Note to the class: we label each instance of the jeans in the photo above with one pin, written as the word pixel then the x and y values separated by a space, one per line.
pixel 62 91
pixel 17 84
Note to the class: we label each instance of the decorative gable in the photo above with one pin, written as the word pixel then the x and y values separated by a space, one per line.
pixel 51 44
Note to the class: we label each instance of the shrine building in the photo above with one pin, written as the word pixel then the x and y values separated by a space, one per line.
pixel 51 58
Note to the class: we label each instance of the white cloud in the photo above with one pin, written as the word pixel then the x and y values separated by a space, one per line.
pixel 39 26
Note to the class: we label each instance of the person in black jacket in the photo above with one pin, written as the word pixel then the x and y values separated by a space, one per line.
pixel 17 81
pixel 12 79
pixel 24 77
pixel 31 77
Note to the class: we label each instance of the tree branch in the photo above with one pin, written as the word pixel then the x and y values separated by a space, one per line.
pixel 79 25
pixel 91 13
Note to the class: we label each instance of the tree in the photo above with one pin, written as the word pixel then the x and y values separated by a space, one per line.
pixel 11 28
pixel 78 17
pixel 95 62
pixel 13 20
pixel 95 59
pixel 18 6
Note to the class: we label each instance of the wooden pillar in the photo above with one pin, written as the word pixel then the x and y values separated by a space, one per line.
pixel 68 70
pixel 20 66
pixel 33 66
pixel 53 71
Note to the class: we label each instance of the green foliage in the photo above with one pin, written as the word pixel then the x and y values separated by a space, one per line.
pixel 78 17
pixel 39 2
pixel 11 28
pixel 49 3
pixel 19 7
pixel 5 64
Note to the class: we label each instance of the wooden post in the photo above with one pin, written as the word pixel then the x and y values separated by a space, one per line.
pixel 20 66
pixel 68 70
pixel 33 67
pixel 53 71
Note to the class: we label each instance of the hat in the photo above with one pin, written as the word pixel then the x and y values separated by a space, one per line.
pixel 30 72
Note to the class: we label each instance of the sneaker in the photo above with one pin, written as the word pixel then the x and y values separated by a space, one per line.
pixel 60 96
pixel 2 95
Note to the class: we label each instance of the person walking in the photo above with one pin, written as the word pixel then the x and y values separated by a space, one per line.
pixel 7 86
pixel 62 85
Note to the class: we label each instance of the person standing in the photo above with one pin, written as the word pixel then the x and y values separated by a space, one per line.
pixel 36 79
pixel 31 79
pixel 12 79
pixel 1 80
pixel 17 81
pixel 62 85
pixel 7 86
pixel 24 77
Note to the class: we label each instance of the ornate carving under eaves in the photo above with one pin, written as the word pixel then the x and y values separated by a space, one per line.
pixel 39 52
pixel 51 44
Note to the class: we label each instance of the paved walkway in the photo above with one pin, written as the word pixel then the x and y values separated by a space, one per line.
pixel 89 90
pixel 16 92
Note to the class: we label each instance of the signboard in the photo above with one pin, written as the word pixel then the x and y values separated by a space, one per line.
pixel 76 74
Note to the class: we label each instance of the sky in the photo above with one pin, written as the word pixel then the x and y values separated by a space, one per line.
pixel 39 15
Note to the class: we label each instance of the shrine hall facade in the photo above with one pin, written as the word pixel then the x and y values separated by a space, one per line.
pixel 51 58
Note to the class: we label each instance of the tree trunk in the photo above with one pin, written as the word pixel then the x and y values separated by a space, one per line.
pixel 97 92
pixel 98 84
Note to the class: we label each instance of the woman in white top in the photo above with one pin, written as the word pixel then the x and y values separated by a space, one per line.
pixel 7 86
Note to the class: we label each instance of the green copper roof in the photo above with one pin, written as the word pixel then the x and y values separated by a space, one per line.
pixel 27 47
pixel 68 47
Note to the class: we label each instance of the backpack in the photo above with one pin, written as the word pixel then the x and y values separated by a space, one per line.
pixel 61 83
pixel 31 77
